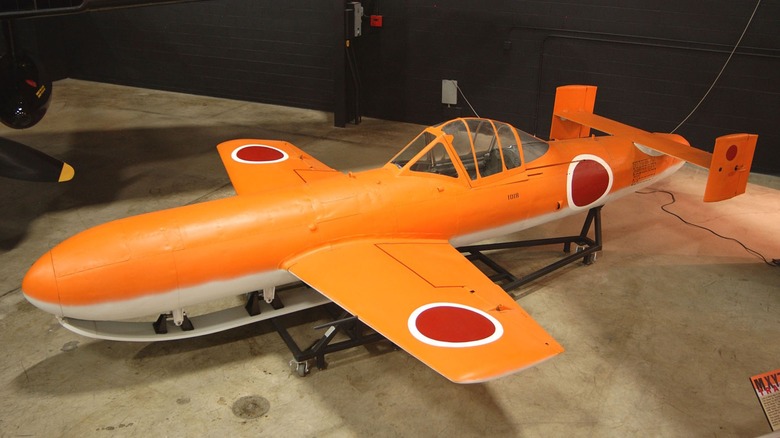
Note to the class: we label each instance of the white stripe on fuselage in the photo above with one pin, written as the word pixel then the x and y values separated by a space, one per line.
pixel 166 301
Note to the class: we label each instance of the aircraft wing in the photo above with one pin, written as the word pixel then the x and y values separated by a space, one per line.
pixel 256 166
pixel 428 299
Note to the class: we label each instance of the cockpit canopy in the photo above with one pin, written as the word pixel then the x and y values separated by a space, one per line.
pixel 475 147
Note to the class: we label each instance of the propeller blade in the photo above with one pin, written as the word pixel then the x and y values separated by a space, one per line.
pixel 18 161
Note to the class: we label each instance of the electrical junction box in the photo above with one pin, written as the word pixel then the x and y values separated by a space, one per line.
pixel 449 92
pixel 356 19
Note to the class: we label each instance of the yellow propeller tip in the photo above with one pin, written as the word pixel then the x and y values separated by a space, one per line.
pixel 67 172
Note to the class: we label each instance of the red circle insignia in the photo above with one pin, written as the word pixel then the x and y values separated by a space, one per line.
pixel 258 153
pixel 589 180
pixel 454 325
pixel 731 153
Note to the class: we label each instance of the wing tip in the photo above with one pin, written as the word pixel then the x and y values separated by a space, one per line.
pixel 490 376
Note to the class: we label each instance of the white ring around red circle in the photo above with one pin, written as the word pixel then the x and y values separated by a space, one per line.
pixel 235 157
pixel 576 161
pixel 412 324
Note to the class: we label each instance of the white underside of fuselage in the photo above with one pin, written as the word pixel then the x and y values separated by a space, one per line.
pixel 167 301
pixel 295 300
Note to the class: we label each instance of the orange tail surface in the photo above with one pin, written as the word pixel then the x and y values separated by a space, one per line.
pixel 728 165
pixel 572 98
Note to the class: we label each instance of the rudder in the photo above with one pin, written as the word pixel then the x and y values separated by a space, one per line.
pixel 730 167
pixel 579 98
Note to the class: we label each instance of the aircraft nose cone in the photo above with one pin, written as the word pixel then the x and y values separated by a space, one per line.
pixel 40 286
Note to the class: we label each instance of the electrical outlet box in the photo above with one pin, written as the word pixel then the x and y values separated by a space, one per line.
pixel 356 19
pixel 449 92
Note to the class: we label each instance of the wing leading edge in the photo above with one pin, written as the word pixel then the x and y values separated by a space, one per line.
pixel 428 299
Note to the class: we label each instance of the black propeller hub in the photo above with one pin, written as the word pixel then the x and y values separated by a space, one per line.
pixel 24 91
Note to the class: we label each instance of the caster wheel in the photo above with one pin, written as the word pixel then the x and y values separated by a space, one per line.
pixel 299 368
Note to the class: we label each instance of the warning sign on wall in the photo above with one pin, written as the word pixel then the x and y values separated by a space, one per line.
pixel 767 388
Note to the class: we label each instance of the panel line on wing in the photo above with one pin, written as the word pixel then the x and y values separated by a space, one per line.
pixel 425 260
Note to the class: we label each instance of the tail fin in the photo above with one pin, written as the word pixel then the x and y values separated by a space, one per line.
pixel 730 166
pixel 571 98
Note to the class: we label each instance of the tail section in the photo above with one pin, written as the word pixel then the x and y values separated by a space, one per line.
pixel 728 165
pixel 571 98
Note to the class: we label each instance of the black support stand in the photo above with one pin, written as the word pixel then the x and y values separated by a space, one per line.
pixel 161 325
pixel 358 333
pixel 586 250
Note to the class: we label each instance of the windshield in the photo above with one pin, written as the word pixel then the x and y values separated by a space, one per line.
pixel 533 147
pixel 413 148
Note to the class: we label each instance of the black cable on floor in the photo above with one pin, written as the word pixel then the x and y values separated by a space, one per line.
pixel 774 262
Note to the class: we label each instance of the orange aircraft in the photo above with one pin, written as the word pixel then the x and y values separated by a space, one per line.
pixel 379 243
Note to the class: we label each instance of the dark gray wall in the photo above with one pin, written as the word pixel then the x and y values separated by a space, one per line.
pixel 276 52
pixel 652 61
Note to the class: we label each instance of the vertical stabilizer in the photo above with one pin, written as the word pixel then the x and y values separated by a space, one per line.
pixel 730 166
pixel 571 98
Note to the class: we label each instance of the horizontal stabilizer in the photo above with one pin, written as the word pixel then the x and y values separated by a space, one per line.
pixel 730 166
pixel 664 143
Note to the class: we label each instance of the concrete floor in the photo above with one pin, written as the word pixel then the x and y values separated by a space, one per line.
pixel 661 333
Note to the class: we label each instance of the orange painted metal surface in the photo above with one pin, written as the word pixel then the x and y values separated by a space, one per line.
pixel 381 242
pixel 395 278
pixel 730 168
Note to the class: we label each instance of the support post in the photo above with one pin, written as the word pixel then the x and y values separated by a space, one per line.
pixel 339 65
